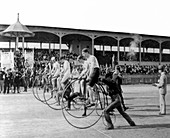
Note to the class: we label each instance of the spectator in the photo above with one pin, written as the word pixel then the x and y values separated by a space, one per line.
pixel 2 77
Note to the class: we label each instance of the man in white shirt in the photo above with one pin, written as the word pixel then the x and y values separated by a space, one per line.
pixel 55 72
pixel 92 76
pixel 66 71
pixel 84 73
pixel 63 79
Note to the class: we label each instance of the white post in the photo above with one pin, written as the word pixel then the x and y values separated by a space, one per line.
pixel 23 46
pixel 16 44
pixel 60 42
pixel 92 46
pixel 118 51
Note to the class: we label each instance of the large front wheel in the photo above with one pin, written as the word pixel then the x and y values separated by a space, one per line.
pixel 74 114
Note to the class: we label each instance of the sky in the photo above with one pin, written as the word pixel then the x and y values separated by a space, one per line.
pixel 150 17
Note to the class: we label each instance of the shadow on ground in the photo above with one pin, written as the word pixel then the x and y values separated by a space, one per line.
pixel 146 126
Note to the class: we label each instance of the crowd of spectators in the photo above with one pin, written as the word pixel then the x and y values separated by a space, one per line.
pixel 40 54
pixel 154 57
pixel 135 69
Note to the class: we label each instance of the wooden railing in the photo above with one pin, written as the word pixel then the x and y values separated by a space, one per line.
pixel 142 79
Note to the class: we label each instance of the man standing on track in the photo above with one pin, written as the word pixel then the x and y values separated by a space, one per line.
pixel 162 86
pixel 117 77
pixel 2 77
pixel 114 93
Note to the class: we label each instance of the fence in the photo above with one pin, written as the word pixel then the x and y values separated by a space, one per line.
pixel 142 79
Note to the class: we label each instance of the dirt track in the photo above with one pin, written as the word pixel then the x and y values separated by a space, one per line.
pixel 22 116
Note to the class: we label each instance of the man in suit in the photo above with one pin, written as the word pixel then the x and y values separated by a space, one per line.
pixel 7 81
pixel 16 81
pixel 2 77
pixel 117 77
pixel 162 87
pixel 114 92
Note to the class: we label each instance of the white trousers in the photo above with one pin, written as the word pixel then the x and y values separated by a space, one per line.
pixel 162 103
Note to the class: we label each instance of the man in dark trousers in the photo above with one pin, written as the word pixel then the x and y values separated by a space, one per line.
pixel 7 81
pixel 114 93
pixel 17 80
pixel 117 77
pixel 2 77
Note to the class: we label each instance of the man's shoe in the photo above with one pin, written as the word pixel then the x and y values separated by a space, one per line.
pixel 132 124
pixel 126 108
pixel 109 128
pixel 84 114
pixel 162 113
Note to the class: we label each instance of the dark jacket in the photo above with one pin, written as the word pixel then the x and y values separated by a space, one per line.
pixel 117 77
pixel 8 77
pixel 2 75
pixel 17 77
pixel 113 88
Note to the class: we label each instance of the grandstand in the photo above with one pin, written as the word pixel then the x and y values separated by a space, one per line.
pixel 125 49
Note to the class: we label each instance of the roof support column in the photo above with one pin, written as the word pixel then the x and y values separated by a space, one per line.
pixel 40 45
pixel 143 52
pixel 23 45
pixel 160 52
pixel 79 46
pixel 60 42
pixel 103 50
pixel 10 44
pixel 140 53
pixel 92 45
pixel 60 35
pixel 49 47
pixel 92 42
pixel 16 43
pixel 124 49
pixel 53 46
pixel 118 50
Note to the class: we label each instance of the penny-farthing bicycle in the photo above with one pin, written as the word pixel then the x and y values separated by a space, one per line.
pixel 94 113
pixel 44 93
pixel 104 101
pixel 37 88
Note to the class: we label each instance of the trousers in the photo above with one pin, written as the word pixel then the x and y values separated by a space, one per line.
pixel 116 103
pixel 162 103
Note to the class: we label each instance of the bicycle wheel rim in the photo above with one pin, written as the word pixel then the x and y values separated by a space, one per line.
pixel 112 117
pixel 35 88
pixel 64 111
pixel 70 112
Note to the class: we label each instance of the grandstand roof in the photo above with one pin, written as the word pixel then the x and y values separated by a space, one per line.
pixel 49 34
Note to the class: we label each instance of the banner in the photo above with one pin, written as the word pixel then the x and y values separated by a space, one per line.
pixel 29 59
pixel 7 60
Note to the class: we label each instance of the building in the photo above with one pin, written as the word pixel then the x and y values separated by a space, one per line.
pixel 107 46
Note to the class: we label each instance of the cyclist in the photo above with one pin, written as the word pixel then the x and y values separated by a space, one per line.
pixel 45 75
pixel 92 76
pixel 55 71
pixel 65 74
pixel 83 74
